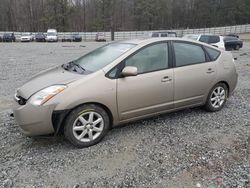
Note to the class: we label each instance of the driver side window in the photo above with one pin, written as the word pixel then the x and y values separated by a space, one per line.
pixel 151 58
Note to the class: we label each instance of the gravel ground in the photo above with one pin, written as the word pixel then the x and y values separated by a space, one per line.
pixel 189 148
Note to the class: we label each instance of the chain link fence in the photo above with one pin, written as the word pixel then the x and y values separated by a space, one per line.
pixel 123 35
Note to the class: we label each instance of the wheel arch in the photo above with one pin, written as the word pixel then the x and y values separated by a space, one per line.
pixel 58 118
pixel 226 83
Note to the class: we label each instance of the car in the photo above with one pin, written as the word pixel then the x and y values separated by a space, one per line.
pixel 123 82
pixel 233 35
pixel 192 36
pixel 232 43
pixel 1 39
pixel 164 34
pixel 26 37
pixel 76 37
pixel 40 37
pixel 67 38
pixel 214 40
pixel 51 35
pixel 9 37
pixel 100 37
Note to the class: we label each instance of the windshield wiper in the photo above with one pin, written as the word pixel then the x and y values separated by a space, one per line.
pixel 72 64
pixel 77 65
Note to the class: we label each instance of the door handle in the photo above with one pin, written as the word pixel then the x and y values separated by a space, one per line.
pixel 166 79
pixel 210 70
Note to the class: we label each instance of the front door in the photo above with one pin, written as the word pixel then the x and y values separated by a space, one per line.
pixel 151 90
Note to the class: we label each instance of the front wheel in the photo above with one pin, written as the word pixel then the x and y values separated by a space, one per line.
pixel 86 125
pixel 217 98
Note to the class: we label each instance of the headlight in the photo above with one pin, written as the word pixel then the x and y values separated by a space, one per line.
pixel 46 94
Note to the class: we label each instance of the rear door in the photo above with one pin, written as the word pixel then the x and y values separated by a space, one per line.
pixel 151 91
pixel 193 74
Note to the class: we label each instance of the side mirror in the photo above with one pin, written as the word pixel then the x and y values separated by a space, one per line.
pixel 129 71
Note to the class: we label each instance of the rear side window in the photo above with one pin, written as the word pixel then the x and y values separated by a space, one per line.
pixel 213 54
pixel 188 54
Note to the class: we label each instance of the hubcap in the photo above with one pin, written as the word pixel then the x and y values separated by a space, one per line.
pixel 88 126
pixel 218 97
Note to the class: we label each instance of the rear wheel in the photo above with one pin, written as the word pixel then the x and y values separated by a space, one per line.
pixel 237 47
pixel 86 125
pixel 217 98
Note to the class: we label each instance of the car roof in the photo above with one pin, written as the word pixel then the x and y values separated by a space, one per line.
pixel 149 40
pixel 145 41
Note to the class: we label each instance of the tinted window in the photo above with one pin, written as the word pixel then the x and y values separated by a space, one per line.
pixel 230 39
pixel 103 56
pixel 204 38
pixel 209 39
pixel 214 39
pixel 213 54
pixel 149 59
pixel 188 54
pixel 164 35
pixel 155 35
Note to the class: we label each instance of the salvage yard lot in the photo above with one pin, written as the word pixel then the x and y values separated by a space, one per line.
pixel 181 149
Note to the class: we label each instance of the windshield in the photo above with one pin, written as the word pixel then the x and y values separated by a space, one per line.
pixel 204 38
pixel 193 37
pixel 103 56
pixel 230 39
pixel 155 35
pixel 172 34
pixel 39 34
pixel 26 34
pixel 51 34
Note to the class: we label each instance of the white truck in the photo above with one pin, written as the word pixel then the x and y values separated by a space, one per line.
pixel 51 35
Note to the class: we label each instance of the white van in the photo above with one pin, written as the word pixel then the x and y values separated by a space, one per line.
pixel 51 35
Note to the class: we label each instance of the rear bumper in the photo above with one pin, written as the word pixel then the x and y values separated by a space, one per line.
pixel 34 120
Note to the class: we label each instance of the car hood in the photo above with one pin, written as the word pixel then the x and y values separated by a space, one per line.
pixel 45 79
pixel 51 36
pixel 26 36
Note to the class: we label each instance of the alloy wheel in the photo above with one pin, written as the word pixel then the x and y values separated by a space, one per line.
pixel 88 126
pixel 218 97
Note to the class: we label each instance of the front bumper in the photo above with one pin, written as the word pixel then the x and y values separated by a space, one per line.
pixel 51 40
pixel 25 40
pixel 34 120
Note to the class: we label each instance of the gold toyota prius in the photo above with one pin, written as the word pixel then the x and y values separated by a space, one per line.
pixel 122 82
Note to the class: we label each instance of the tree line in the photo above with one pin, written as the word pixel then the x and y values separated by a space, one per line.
pixel 120 15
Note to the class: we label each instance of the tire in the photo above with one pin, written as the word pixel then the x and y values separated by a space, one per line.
pixel 79 127
pixel 237 47
pixel 215 102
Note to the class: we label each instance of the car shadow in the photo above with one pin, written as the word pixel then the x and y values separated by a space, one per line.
pixel 60 142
